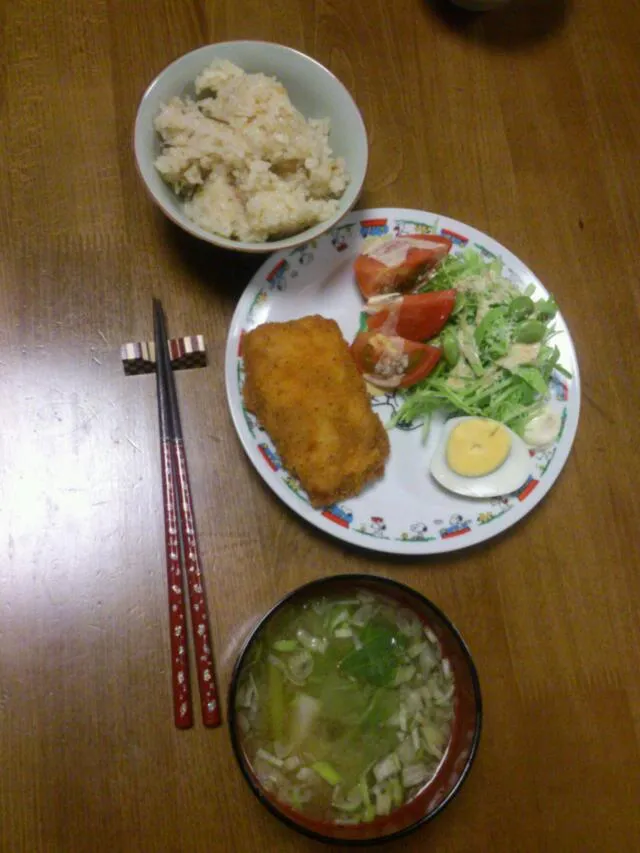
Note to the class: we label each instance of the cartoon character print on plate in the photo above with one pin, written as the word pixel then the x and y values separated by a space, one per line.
pixel 253 424
pixel 341 236
pixel 525 490
pixel 417 533
pixel 340 515
pixel 409 226
pixel 279 275
pixel 543 459
pixel 558 388
pixel 498 508
pixel 293 483
pixel 374 227
pixel 457 526
pixel 255 314
pixel 375 526
pixel 270 456
pixel 303 255
pixel 486 254
pixel 456 239
pixel 251 421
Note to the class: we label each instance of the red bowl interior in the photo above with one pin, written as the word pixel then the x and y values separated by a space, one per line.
pixel 465 732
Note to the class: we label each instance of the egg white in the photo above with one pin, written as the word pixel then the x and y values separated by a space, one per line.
pixel 508 477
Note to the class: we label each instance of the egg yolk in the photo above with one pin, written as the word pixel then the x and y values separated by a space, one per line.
pixel 477 446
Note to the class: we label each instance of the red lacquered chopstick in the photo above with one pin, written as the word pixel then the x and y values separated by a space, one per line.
pixel 188 537
pixel 182 709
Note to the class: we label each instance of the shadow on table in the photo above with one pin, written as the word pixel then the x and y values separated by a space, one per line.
pixel 517 25
pixel 227 272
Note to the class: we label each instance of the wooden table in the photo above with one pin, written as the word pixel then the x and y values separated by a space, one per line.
pixel 525 123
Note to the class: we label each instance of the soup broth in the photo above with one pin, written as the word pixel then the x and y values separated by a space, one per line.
pixel 344 706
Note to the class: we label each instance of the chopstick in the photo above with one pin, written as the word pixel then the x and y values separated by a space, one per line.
pixel 182 708
pixel 182 550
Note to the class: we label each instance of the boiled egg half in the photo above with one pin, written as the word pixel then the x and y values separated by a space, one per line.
pixel 480 458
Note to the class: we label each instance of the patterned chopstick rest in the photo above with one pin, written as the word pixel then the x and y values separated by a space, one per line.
pixel 185 353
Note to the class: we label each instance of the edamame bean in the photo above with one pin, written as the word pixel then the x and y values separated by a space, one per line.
pixel 530 332
pixel 450 348
pixel 520 307
pixel 546 309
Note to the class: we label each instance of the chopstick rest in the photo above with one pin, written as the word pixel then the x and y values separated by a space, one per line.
pixel 140 357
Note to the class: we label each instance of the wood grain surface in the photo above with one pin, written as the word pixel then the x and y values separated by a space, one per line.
pixel 523 122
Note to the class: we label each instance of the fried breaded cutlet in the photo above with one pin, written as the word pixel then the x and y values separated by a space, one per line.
pixel 303 386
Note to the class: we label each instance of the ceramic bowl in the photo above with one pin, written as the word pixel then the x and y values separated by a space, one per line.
pixel 465 733
pixel 313 89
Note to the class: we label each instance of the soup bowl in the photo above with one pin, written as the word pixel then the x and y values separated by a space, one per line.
pixel 454 760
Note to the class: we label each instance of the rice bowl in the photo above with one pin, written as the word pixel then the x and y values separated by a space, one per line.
pixel 315 204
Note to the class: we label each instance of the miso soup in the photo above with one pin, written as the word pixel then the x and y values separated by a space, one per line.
pixel 344 706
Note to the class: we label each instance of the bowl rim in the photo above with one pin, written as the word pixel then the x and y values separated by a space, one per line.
pixel 302 590
pixel 295 240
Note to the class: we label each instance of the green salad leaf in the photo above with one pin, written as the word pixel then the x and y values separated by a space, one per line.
pixel 498 360
pixel 376 662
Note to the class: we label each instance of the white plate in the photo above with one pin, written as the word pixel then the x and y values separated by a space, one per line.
pixel 405 512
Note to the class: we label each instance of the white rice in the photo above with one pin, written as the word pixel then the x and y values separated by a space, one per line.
pixel 248 164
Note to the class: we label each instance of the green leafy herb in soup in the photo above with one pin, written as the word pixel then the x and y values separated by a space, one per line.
pixel 344 706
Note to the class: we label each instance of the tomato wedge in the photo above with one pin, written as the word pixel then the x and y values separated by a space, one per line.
pixel 389 361
pixel 417 317
pixel 393 265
